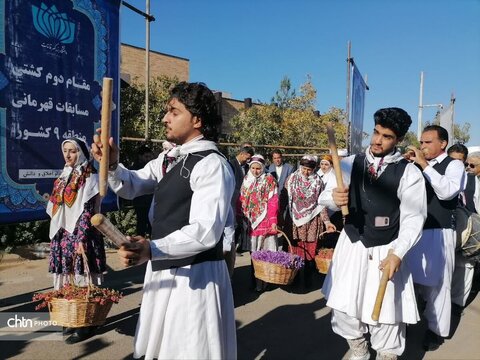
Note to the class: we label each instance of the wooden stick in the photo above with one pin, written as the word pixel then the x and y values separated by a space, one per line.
pixel 108 229
pixel 105 135
pixel 336 164
pixel 380 294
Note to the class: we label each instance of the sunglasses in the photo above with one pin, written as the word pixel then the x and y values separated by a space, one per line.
pixel 470 165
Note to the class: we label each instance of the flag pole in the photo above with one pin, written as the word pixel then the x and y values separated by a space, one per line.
pixel 452 104
pixel 347 107
pixel 420 109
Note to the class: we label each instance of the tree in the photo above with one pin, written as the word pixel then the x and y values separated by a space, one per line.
pixel 259 125
pixel 461 133
pixel 410 138
pixel 284 95
pixel 132 113
pixel 338 119
pixel 289 122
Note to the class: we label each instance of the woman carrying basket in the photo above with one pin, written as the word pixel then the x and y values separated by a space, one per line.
pixel 259 206
pixel 74 200
pixel 309 218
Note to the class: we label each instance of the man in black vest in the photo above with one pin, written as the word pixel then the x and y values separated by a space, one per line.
pixel 462 279
pixel 432 260
pixel 187 307
pixel 240 168
pixel 387 209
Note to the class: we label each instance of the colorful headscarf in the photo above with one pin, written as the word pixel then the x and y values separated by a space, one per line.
pixel 303 193
pixel 73 188
pixel 327 158
pixel 255 193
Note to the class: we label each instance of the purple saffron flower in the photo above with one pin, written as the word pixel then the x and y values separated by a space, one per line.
pixel 287 260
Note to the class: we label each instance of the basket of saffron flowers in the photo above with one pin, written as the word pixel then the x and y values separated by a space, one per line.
pixel 76 306
pixel 276 267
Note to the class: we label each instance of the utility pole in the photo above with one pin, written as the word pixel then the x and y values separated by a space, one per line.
pixel 420 108
pixel 148 18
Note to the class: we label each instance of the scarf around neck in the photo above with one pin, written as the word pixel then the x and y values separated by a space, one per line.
pixel 254 196
pixel 71 190
pixel 376 165
pixel 303 193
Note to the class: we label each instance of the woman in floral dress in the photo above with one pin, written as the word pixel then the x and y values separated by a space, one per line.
pixel 74 200
pixel 309 218
pixel 259 206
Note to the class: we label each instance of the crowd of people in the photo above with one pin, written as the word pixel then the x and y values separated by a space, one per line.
pixel 205 208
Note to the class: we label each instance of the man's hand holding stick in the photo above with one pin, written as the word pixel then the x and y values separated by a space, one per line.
pixel 336 166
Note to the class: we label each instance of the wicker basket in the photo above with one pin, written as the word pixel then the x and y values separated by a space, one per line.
pixel 322 264
pixel 79 312
pixel 274 273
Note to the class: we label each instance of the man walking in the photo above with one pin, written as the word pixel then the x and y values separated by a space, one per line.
pixel 387 205
pixel 432 260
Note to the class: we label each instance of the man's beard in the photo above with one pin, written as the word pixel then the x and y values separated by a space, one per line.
pixel 382 153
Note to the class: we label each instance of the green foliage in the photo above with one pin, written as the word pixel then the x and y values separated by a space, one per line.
pixel 24 233
pixel 259 124
pixel 461 133
pixel 124 219
pixel 290 121
pixel 410 138
pixel 132 114
pixel 284 95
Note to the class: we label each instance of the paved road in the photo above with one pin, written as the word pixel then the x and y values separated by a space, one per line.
pixel 282 323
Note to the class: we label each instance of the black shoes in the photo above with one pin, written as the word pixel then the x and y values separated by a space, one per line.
pixel 432 341
pixel 68 331
pixel 80 334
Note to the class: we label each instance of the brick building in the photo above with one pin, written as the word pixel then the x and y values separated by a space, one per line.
pixel 132 68
pixel 132 65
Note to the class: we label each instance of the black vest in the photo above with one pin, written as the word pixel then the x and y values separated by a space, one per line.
pixel 440 213
pixel 469 192
pixel 374 206
pixel 173 197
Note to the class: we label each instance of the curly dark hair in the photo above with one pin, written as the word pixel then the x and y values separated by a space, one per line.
pixel 199 101
pixel 393 118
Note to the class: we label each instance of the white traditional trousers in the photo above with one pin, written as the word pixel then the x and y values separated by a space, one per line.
pixel 385 338
pixel 462 280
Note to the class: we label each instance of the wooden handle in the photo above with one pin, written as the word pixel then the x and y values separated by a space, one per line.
pixel 108 229
pixel 380 294
pixel 105 135
pixel 336 163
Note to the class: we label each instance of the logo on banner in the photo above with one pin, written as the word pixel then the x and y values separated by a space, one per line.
pixel 53 24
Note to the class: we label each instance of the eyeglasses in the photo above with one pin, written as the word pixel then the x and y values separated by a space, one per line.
pixel 470 165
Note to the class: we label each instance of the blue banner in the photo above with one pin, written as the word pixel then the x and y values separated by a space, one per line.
pixel 357 106
pixel 53 57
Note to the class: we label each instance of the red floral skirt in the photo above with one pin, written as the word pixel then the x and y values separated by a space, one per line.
pixel 305 238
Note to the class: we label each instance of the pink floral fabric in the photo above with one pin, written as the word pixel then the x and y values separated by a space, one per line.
pixel 259 199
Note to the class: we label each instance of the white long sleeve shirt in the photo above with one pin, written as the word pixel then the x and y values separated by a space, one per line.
pixel 446 186
pixel 212 183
